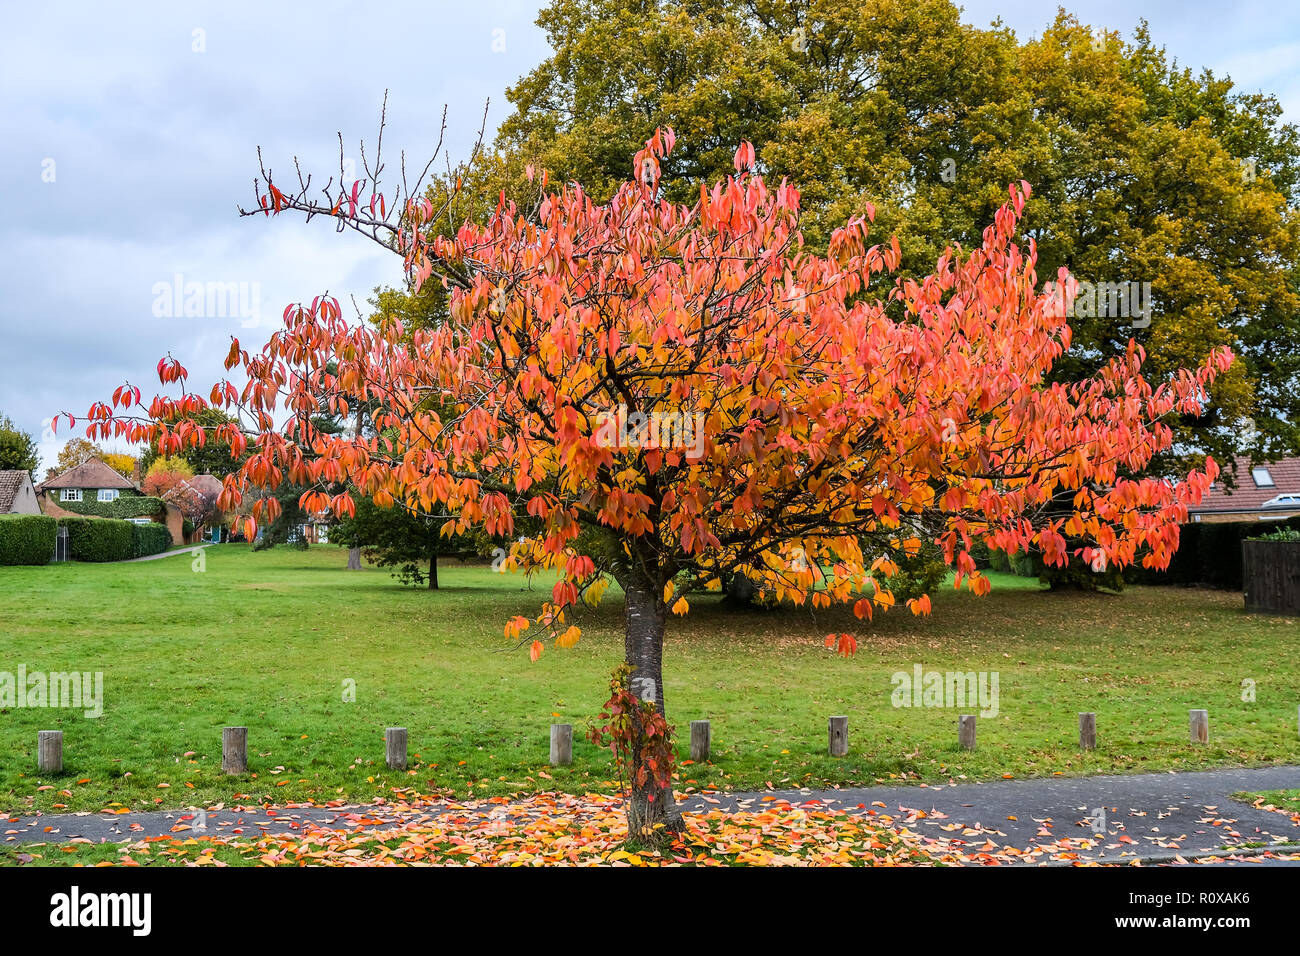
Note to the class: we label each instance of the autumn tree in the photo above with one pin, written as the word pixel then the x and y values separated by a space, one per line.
pixel 710 397
pixel 211 458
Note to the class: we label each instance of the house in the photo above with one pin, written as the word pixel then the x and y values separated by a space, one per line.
pixel 198 495
pixel 94 490
pixel 1267 491
pixel 17 496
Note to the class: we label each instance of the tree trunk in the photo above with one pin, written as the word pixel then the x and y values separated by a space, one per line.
pixel 650 805
pixel 433 566
pixel 354 559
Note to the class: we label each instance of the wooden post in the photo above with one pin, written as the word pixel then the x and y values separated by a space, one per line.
pixel 699 740
pixel 966 731
pixel 1087 731
pixel 49 751
pixel 561 745
pixel 234 750
pixel 838 730
pixel 1200 726
pixel 395 748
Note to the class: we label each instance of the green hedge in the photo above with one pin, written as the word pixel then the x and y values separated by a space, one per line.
pixel 126 506
pixel 1209 553
pixel 27 539
pixel 147 539
pixel 99 539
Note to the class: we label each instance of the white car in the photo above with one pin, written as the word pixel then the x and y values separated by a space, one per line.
pixel 1282 501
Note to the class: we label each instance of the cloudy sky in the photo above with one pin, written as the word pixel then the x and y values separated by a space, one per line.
pixel 129 133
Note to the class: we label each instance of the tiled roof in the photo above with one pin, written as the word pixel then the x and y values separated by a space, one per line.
pixel 10 482
pixel 91 473
pixel 1249 495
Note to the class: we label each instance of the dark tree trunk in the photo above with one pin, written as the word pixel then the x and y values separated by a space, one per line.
pixel 433 565
pixel 354 559
pixel 643 645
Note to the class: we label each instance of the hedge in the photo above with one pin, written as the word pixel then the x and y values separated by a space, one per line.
pixel 147 539
pixel 1209 553
pixel 99 539
pixel 126 506
pixel 27 539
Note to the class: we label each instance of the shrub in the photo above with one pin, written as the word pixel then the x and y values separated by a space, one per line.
pixel 1209 553
pixel 982 554
pixel 1076 574
pixel 27 539
pixel 187 527
pixel 998 561
pixel 147 539
pixel 98 539
pixel 918 574
pixel 1281 534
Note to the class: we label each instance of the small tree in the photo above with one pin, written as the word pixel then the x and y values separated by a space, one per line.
pixel 703 398
pixel 395 537
pixel 17 448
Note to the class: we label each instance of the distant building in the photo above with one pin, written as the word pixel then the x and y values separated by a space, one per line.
pixel 17 496
pixel 94 490
pixel 1264 492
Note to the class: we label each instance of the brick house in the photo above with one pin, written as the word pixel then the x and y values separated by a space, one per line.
pixel 94 490
pixel 1264 492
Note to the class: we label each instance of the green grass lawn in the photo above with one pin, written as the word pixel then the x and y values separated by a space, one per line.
pixel 1285 800
pixel 268 640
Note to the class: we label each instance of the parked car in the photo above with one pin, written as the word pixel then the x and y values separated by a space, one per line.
pixel 1282 501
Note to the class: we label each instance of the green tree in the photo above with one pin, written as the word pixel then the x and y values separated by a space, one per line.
pixel 399 538
pixel 1142 172
pixel 17 448
pixel 213 458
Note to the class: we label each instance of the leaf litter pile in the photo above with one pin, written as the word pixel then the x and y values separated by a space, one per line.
pixel 590 830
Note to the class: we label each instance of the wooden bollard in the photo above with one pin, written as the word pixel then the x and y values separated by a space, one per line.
pixel 561 745
pixel 1200 726
pixel 1087 731
pixel 837 729
pixel 699 740
pixel 395 748
pixel 234 750
pixel 966 731
pixel 49 751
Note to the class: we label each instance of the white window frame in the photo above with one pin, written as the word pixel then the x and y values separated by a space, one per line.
pixel 108 495
pixel 70 494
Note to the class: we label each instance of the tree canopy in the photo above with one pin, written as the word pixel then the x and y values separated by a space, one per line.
pixel 709 395
pixel 1142 171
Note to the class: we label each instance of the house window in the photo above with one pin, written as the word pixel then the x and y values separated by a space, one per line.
pixel 108 494
pixel 70 494
pixel 1262 477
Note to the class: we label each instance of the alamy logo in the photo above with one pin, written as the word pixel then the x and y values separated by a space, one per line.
pixel 1122 300
pixel 946 689
pixel 208 300
pixel 680 431
pixel 74 689
pixel 75 909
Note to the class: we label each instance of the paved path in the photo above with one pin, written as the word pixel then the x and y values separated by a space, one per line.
pixel 1151 816
pixel 166 554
